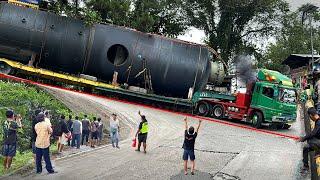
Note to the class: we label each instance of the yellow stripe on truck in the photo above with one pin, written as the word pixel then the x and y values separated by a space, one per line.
pixel 19 3
pixel 56 75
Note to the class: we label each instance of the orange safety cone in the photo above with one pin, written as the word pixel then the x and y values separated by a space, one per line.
pixel 134 142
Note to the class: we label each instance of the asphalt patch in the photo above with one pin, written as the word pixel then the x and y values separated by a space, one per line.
pixel 224 176
pixel 198 175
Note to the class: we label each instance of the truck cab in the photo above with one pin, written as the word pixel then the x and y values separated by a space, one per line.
pixel 272 103
pixel 270 99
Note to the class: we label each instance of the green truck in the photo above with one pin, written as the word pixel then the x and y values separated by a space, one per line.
pixel 270 99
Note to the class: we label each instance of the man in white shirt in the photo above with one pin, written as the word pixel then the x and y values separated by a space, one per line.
pixel 114 130
pixel 47 117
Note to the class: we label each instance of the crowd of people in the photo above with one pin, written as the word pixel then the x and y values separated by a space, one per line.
pixel 73 132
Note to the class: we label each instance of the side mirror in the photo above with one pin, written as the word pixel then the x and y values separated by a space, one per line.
pixel 275 93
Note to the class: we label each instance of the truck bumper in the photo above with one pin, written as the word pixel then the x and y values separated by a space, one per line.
pixel 283 119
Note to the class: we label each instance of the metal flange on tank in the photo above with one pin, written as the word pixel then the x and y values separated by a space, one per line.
pixel 217 73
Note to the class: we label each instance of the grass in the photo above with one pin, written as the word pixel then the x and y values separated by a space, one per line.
pixel 22 159
pixel 53 148
pixel 19 161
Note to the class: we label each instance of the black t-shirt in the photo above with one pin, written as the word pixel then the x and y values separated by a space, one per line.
pixel 189 140
pixel 69 122
pixel 10 132
pixel 64 127
pixel 315 133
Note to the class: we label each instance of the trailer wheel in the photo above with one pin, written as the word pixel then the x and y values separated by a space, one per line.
pixel 218 111
pixel 4 68
pixel 203 109
pixel 286 126
pixel 257 119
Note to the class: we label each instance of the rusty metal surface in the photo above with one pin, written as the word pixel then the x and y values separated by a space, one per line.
pixel 65 44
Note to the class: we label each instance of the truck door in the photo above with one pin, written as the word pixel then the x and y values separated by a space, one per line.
pixel 266 101
pixel 255 94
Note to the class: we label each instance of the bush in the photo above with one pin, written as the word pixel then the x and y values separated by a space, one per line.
pixel 25 99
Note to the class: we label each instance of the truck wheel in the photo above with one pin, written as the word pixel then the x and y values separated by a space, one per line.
pixel 257 119
pixel 5 68
pixel 203 109
pixel 218 112
pixel 286 126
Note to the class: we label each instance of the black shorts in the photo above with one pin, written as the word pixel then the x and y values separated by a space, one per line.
pixel 9 150
pixel 188 154
pixel 94 135
pixel 142 137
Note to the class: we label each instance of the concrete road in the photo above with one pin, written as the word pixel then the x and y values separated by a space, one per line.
pixel 223 152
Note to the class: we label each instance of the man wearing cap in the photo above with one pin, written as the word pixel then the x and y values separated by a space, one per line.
pixel 313 137
pixel 10 127
pixel 142 133
pixel 44 131
pixel 114 130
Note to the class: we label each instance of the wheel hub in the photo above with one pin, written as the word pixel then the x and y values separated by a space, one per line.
pixel 218 112
pixel 202 108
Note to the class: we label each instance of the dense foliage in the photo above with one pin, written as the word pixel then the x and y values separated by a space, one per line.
pixel 24 100
pixel 294 38
pixel 164 17
pixel 231 26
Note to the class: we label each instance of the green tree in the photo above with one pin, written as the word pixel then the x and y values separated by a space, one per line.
pixel 294 38
pixel 116 11
pixel 165 17
pixel 72 9
pixel 234 26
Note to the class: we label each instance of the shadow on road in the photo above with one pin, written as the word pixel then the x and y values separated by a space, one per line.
pixel 197 176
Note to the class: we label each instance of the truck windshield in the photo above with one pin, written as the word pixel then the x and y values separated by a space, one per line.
pixel 287 96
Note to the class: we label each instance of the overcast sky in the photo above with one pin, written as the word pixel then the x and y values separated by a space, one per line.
pixel 195 35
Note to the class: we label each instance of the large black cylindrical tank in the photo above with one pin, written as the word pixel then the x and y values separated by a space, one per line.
pixel 67 45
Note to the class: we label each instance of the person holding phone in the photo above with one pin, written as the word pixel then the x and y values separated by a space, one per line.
pixel 10 127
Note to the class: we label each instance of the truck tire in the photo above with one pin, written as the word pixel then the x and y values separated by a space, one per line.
pixel 203 109
pixel 5 68
pixel 286 126
pixel 257 119
pixel 218 111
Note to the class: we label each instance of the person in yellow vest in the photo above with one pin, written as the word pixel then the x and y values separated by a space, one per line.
pixel 142 133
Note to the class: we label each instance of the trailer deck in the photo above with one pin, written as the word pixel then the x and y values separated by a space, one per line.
pixel 99 87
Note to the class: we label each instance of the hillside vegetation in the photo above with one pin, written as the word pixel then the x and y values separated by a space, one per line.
pixel 25 99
